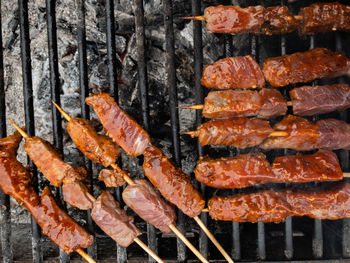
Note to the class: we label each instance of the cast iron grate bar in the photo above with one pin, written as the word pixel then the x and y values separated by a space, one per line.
pixel 142 84
pixel 198 64
pixel 55 91
pixel 113 86
pixel 28 109
pixel 173 101
pixel 85 112
pixel 6 247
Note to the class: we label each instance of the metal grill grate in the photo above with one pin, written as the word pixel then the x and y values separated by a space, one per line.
pixel 235 239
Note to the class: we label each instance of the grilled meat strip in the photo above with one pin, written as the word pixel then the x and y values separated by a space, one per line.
pixel 311 100
pixel 237 132
pixel 305 67
pixel 274 206
pixel 112 178
pixel 48 161
pixel 325 17
pixel 267 103
pixel 15 180
pixel 149 205
pixel 98 148
pixel 304 135
pixel 113 220
pixel 173 184
pixel 119 125
pixel 253 19
pixel 233 73
pixel 253 169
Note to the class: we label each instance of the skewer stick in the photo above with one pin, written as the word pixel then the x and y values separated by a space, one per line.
pixel 20 130
pixel 148 250
pixel 346 175
pixel 213 239
pixel 188 244
pixel 199 18
pixel 84 255
pixel 171 226
pixel 298 17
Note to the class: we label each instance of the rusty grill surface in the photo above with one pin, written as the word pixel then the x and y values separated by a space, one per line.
pixel 298 239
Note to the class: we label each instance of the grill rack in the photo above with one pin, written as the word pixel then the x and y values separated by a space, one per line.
pixel 142 78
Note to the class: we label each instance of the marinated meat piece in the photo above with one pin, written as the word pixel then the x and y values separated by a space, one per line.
pixel 334 134
pixel 59 226
pixel 273 104
pixel 234 19
pixel 311 100
pixel 233 73
pixel 325 17
pixel 305 67
pixel 118 125
pixel 97 148
pixel 234 172
pixel 112 177
pixel 149 205
pixel 278 20
pixel 303 135
pixel 47 160
pixel 113 220
pixel 76 194
pixel 321 166
pixel 274 206
pixel 173 184
pixel 237 132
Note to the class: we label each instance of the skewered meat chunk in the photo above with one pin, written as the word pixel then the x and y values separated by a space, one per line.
pixel 113 220
pixel 253 19
pixel 305 67
pixel 119 125
pixel 233 73
pixel 266 103
pixel 237 132
pixel 112 178
pixel 98 148
pixel 149 205
pixel 274 206
pixel 311 100
pixel 173 184
pixel 304 135
pixel 59 226
pixel 325 17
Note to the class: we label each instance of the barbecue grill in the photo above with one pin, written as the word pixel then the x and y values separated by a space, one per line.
pixel 297 239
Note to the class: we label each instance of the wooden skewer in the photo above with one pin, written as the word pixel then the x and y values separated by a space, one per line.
pixel 298 17
pixel 199 18
pixel 84 255
pixel 131 182
pixel 272 134
pixel 81 252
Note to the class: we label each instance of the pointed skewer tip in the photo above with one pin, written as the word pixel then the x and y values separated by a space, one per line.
pixel 65 114
pixel 198 18
pixel 191 133
pixel 20 130
pixel 192 107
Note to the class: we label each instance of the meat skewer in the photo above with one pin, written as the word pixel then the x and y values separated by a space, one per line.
pixel 156 166
pixel 269 103
pixel 15 180
pixel 103 208
pixel 140 196
pixel 253 169
pixel 274 206
pixel 318 17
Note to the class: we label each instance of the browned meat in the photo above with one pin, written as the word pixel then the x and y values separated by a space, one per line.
pixel 173 184
pixel 113 220
pixel 235 172
pixel 303 135
pixel 233 73
pixel 97 148
pixel 321 166
pixel 267 103
pixel 311 100
pixel 325 17
pixel 59 226
pixel 237 132
pixel 149 205
pixel 119 125
pixel 111 177
pixel 76 194
pixel 305 67
pixel 274 206
pixel 253 19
